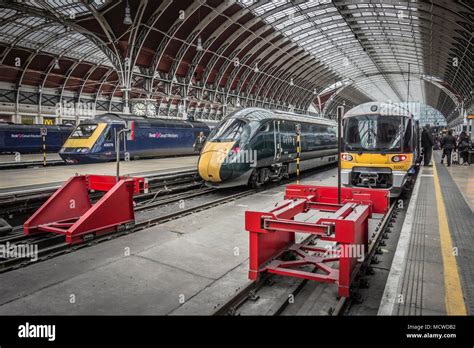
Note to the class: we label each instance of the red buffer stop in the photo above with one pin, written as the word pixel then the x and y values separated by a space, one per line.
pixel 272 233
pixel 69 211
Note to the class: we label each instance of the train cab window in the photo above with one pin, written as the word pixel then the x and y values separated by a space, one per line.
pixel 109 136
pixel 230 130
pixel 373 133
pixel 265 128
pixel 83 131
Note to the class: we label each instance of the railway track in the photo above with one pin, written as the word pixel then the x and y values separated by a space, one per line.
pixel 22 202
pixel 51 245
pixel 144 203
pixel 276 295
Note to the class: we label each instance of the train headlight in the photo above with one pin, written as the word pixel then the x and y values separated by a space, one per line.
pixel 82 150
pixel 399 158
pixel 346 157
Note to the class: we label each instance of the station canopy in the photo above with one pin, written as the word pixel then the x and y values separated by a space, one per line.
pixel 211 56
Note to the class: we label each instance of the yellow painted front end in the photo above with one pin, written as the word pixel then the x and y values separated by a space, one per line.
pixel 377 160
pixel 210 161
pixel 85 142
pixel 375 166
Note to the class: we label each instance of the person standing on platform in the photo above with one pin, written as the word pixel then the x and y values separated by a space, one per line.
pixel 199 142
pixel 448 144
pixel 463 146
pixel 427 144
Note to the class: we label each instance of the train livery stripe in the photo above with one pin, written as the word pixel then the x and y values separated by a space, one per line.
pixel 454 299
pixel 86 142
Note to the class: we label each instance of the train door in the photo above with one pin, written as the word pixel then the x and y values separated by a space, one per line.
pixel 263 143
pixel 109 138
pixel 416 141
pixel 277 140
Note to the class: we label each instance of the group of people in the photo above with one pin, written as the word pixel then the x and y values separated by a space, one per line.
pixel 448 143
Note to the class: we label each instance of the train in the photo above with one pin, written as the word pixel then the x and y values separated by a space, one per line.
pixel 253 146
pixel 22 138
pixel 380 147
pixel 93 140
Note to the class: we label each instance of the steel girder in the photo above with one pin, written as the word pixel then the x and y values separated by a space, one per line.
pixel 36 12
pixel 189 43
pixel 420 41
pixel 413 35
pixel 158 56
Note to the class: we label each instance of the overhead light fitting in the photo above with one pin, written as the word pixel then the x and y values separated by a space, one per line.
pixel 199 41
pixel 199 44
pixel 56 64
pixel 256 68
pixel 127 19
pixel 292 82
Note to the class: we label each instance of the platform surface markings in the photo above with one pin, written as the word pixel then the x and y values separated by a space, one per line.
pixel 454 299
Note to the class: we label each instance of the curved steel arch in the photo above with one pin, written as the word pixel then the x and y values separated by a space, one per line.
pixel 36 12
pixel 394 73
pixel 178 23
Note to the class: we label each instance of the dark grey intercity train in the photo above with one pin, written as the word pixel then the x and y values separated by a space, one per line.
pixel 254 146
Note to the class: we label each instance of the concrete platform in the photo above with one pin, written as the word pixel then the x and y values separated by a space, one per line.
pixel 186 266
pixel 18 178
pixel 463 177
pixel 8 158
pixel 433 269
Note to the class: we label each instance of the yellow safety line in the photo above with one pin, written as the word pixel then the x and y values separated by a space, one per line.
pixel 453 298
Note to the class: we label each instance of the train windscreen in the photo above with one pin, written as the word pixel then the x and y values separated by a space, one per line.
pixel 83 131
pixel 373 133
pixel 229 130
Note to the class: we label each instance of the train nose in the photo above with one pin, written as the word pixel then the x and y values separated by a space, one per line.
pixel 211 159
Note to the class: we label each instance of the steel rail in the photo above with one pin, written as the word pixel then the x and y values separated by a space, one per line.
pixel 62 247
pixel 250 291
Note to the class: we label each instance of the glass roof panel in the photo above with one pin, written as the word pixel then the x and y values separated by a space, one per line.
pixel 43 35
pixel 319 28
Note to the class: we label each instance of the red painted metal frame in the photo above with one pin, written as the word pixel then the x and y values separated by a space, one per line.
pixel 272 233
pixel 69 210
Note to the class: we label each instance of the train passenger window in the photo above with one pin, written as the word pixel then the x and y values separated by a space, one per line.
pixel 83 131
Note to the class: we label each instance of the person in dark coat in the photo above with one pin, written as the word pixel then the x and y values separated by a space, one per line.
pixel 448 144
pixel 427 144
pixel 464 144
pixel 199 142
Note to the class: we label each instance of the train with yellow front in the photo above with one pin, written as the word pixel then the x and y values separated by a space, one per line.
pixel 379 147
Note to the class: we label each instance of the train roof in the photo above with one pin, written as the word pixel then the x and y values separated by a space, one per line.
pixel 378 108
pixel 259 114
pixel 157 122
pixel 33 126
